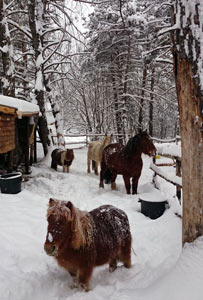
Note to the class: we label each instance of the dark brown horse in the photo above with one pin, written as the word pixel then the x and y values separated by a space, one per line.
pixel 125 160
pixel 62 158
pixel 81 240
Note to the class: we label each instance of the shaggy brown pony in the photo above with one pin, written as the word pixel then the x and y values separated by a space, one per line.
pixel 81 240
pixel 95 150
pixel 63 158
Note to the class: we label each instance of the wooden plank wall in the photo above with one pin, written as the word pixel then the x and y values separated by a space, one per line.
pixel 7 132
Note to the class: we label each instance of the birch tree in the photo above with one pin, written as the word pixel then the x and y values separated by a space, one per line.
pixel 6 49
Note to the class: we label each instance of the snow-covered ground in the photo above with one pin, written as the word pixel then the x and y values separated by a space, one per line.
pixel 161 270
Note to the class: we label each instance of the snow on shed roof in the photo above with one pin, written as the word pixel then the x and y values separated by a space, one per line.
pixel 23 107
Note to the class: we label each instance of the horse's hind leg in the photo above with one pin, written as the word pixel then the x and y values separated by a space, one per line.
pixel 127 183
pixel 113 181
pixel 134 185
pixel 102 172
pixel 96 168
pixel 125 254
pixel 88 165
pixel 112 265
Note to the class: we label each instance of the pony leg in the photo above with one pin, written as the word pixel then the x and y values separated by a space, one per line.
pixel 112 265
pixel 127 183
pixel 53 165
pixel 101 183
pixel 96 168
pixel 113 182
pixel 65 169
pixel 102 172
pixel 134 185
pixel 83 277
pixel 125 255
pixel 88 165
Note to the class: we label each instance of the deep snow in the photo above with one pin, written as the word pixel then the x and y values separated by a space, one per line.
pixel 160 268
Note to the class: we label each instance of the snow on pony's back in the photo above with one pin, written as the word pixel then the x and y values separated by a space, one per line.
pixel 81 240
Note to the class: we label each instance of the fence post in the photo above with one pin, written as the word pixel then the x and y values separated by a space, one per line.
pixel 178 173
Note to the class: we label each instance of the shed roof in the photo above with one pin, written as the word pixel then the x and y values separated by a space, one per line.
pixel 22 107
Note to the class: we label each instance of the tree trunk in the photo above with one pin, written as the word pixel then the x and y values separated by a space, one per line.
pixel 187 59
pixel 37 41
pixel 192 153
pixel 140 119
pixel 118 116
pixel 8 76
pixel 42 122
pixel 151 104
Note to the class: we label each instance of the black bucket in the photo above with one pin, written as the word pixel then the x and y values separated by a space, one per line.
pixel 11 183
pixel 152 210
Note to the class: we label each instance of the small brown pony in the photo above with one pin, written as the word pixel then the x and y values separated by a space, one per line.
pixel 95 150
pixel 63 158
pixel 125 160
pixel 81 240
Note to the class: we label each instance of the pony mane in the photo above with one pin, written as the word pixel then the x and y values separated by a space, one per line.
pixel 106 141
pixel 81 222
pixel 133 143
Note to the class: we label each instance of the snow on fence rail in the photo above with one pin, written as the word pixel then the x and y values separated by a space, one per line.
pixel 173 151
pixel 81 138
pixel 176 139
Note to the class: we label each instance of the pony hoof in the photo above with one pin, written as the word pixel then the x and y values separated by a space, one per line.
pixel 84 288
pixel 127 265
pixel 112 269
pixel 74 285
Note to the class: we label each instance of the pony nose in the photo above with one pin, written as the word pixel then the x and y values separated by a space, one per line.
pixel 153 152
pixel 50 249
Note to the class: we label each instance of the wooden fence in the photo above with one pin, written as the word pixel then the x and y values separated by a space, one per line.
pixel 176 158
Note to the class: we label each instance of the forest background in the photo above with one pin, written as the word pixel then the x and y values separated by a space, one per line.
pixel 111 71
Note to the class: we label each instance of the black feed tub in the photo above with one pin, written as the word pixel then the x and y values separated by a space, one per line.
pixel 152 210
pixel 11 183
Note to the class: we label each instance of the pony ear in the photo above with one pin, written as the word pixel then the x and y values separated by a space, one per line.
pixel 52 202
pixel 69 205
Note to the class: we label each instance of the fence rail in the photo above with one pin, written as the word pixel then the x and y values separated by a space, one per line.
pixel 175 180
pixel 95 135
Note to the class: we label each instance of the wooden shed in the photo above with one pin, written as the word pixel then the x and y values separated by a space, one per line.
pixel 18 119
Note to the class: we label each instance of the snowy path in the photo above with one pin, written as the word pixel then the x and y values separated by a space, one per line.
pixel 26 272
